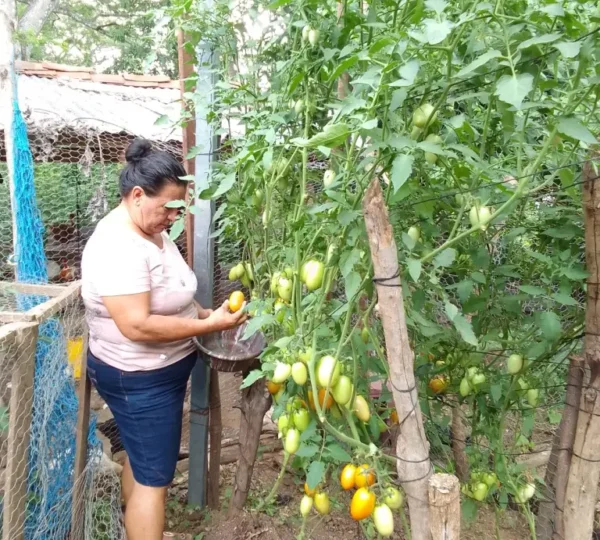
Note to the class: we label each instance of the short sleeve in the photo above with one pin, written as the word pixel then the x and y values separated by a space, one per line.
pixel 121 270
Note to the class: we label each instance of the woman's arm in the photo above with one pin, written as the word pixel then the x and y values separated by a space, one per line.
pixel 132 316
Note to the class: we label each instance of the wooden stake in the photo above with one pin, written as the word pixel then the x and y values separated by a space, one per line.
pixel 444 502
pixel 412 448
pixel 459 445
pixel 215 427
pixel 579 508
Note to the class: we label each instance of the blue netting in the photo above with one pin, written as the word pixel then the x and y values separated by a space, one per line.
pixel 53 429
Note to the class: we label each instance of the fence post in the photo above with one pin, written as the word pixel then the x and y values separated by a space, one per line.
pixel 21 400
pixel 412 448
pixel 580 501
pixel 444 507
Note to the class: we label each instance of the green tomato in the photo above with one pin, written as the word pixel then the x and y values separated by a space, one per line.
pixel 313 37
pixel 342 391
pixel 480 217
pixel 383 520
pixel 328 178
pixel 328 372
pixel 422 114
pixel 433 138
pixel 490 479
pixel 532 396
pixel 284 289
pixel 289 272
pixel 415 233
pixel 313 275
pixel 393 498
pixel 431 158
pixel 306 505
pixel 305 31
pixel 322 503
pixel 248 270
pixel 364 335
pixel 245 281
pixel 478 379
pixel 282 372
pixel 257 198
pixel 299 106
pixel 301 419
pixel 299 373
pixel 275 282
pixel 361 409
pixel 305 355
pixel 237 272
pixel 292 441
pixel 283 423
pixel 279 311
pixel 465 387
pixel 415 133
pixel 514 364
pixel 480 491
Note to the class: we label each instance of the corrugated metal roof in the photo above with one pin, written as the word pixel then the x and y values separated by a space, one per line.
pixel 53 100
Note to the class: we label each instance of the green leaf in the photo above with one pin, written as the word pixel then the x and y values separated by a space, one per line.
pixel 179 203
pixel 464 290
pixel 414 269
pixel 567 232
pixel 565 299
pixel 539 40
pixel 409 241
pixel 571 127
pixel 283 342
pixel 257 323
pixel 343 67
pixel 251 378
pixel 436 31
pixel 469 509
pixel 296 80
pixel 482 60
pixel 554 10
pixel 445 258
pixel 465 329
pixel 550 325
pixel 410 70
pixel 352 285
pixel 398 98
pixel 309 432
pixel 496 392
pixel 337 453
pixel 177 228
pixel 332 135
pixel 554 416
pixel 514 90
pixel 162 120
pixel 532 290
pixel 569 49
pixel 401 170
pixel 307 450
pixel 278 3
pixel 315 473
pixel 347 261
pixel 436 5
pixel 225 185
pixel 575 274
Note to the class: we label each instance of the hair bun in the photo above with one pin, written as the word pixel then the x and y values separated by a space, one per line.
pixel 138 150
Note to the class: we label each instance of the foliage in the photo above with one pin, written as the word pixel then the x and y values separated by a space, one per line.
pixel 476 117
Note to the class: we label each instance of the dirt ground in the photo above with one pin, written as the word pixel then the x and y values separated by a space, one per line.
pixel 282 521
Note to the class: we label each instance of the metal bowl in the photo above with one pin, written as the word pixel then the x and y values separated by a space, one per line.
pixel 226 351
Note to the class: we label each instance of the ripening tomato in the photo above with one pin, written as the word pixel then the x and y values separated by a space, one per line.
pixel 414 233
pixel 308 491
pixel 342 391
pixel 313 36
pixel 322 503
pixel 526 492
pixel 328 178
pixel 273 387
pixel 328 372
pixel 322 391
pixel 299 106
pixel 282 372
pixel 347 476
pixel 394 416
pixel 292 441
pixel 275 281
pixel 422 114
pixel 438 384
pixel 362 504
pixel 361 409
pixel 305 505
pixel 532 396
pixel 364 476
pixel 383 520
pixel 236 300
pixel 283 423
pixel 299 373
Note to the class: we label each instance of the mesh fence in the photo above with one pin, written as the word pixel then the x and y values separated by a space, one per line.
pixel 74 184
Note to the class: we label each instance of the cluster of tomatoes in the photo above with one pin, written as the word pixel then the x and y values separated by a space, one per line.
pixel 481 484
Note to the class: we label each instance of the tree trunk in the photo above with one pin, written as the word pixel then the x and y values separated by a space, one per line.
pixel 412 448
pixel 459 438
pixel 255 402
pixel 585 462
pixel 444 502
pixel 550 515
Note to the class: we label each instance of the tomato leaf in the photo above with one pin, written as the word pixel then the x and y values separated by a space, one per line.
pixel 162 120
pixel 401 170
pixel 575 274
pixel 225 185
pixel 315 473
pixel 251 378
pixel 307 450
pixel 343 67
pixel 496 392
pixel 565 299
pixel 569 49
pixel 283 342
pixel 469 509
pixel 414 269
pixel 571 127
pixel 464 290
pixel 538 40
pixel 337 453
pixel 332 135
pixel 398 98
pixel 437 31
pixel 477 63
pixel 514 89
pixel 532 290
pixel 445 258
pixel 309 432
pixel 550 325
pixel 352 285
pixel 256 323
pixel 177 228
pixel 179 203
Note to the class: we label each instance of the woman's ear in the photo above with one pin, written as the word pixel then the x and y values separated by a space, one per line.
pixel 137 193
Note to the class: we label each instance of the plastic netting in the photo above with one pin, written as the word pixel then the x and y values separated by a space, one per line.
pixel 63 185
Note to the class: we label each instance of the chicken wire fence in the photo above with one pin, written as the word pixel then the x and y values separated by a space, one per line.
pixel 63 187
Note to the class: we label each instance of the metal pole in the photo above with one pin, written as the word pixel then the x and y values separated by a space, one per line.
pixel 8 18
pixel 203 267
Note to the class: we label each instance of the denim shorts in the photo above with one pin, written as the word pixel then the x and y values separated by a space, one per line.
pixel 148 409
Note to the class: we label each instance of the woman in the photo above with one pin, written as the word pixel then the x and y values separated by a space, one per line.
pixel 139 298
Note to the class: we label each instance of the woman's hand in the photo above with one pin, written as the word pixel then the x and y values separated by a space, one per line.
pixel 203 313
pixel 223 319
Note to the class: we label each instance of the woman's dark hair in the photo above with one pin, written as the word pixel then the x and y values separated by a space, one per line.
pixel 149 169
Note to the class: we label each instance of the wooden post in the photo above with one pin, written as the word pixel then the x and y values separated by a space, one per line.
pixel 444 504
pixel 459 443
pixel 215 428
pixel 21 400
pixel 412 448
pixel 81 447
pixel 255 403
pixel 579 508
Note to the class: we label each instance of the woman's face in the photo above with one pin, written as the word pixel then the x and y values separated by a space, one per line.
pixel 151 214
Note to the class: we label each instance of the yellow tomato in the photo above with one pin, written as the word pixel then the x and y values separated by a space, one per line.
pixel 236 300
pixel 364 476
pixel 347 476
pixel 362 505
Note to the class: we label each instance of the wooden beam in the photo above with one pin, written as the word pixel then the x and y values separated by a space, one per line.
pixel 14 317
pixel 48 309
pixel 28 288
pixel 19 424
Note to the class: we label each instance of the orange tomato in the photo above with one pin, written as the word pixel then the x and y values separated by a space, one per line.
pixel 438 384
pixel 311 401
pixel 308 491
pixel 273 387
pixel 236 301
pixel 394 416
pixel 363 503
pixel 347 476
pixel 364 476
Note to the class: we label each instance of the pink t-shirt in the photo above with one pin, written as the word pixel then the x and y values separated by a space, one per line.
pixel 117 261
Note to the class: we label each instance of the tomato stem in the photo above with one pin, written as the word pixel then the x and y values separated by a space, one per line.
pixel 275 488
